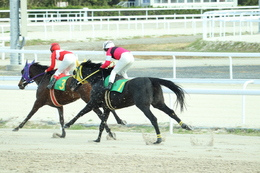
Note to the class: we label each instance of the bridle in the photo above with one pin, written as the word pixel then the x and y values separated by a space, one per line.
pixel 26 73
pixel 78 75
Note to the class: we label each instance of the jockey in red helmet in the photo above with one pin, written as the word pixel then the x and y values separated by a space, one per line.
pixel 54 46
pixel 68 62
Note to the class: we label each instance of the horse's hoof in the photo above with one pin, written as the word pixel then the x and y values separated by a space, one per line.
pixel 189 127
pixel 123 122
pixel 159 140
pixel 56 135
pixel 97 140
pixel 111 136
pixel 16 129
pixel 186 127
pixel 66 126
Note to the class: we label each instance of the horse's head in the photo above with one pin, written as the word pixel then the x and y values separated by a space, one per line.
pixel 84 73
pixel 26 78
pixel 29 74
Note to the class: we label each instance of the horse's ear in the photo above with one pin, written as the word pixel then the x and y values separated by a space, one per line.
pixel 33 61
pixel 89 61
pixel 26 62
pixel 77 63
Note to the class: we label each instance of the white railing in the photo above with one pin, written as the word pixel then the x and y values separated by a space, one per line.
pixel 230 22
pixel 80 20
pixel 39 13
pixel 150 53
pixel 165 90
pixel 114 18
pixel 78 28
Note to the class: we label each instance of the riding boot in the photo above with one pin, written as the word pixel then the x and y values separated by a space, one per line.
pixel 109 86
pixel 52 82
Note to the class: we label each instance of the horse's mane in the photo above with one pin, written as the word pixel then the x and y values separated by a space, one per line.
pixel 39 66
pixel 90 64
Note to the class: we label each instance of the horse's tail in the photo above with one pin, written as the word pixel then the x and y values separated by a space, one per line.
pixel 175 88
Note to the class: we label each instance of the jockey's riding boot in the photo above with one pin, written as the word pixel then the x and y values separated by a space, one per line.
pixel 109 86
pixel 52 82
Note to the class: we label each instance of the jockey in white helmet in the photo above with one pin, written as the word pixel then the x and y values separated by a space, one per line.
pixel 124 57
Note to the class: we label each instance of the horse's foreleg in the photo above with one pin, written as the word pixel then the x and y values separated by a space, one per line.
pixel 100 115
pixel 85 110
pixel 103 124
pixel 60 110
pixel 35 108
pixel 118 120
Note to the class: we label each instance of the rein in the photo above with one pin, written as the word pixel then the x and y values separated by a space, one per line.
pixel 32 79
pixel 83 81
pixel 78 76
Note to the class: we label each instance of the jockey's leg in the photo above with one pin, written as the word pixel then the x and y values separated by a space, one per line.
pixel 126 62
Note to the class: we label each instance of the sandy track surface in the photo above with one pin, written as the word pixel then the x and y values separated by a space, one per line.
pixel 36 151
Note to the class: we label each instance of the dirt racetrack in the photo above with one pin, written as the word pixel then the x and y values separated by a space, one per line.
pixel 37 151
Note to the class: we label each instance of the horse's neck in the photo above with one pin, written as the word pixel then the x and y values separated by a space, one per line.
pixel 39 79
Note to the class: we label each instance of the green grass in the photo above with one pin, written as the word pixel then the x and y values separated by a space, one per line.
pixel 3 124
pixel 244 132
pixel 222 46
pixel 141 128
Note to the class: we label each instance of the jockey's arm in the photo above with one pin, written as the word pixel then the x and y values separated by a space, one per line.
pixel 53 62
pixel 107 62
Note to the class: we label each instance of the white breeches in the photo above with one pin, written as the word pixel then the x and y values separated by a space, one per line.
pixel 122 66
pixel 68 63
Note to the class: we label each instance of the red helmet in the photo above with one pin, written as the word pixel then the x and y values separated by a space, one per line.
pixel 54 46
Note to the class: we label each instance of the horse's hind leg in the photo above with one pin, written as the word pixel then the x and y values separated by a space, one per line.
pixel 146 110
pixel 60 110
pixel 163 107
pixel 35 108
pixel 85 110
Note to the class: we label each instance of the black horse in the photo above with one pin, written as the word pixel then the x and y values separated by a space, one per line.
pixel 34 72
pixel 140 91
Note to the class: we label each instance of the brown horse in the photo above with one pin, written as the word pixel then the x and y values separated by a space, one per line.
pixel 34 72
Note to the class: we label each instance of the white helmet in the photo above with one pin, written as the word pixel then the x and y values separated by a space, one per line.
pixel 108 44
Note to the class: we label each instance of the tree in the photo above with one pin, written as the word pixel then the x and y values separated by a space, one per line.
pixel 4 3
pixel 247 2
pixel 113 2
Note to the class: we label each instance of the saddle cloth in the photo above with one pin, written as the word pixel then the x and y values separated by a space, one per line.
pixel 118 86
pixel 60 84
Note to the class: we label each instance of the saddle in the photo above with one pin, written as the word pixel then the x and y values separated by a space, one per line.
pixel 118 85
pixel 61 82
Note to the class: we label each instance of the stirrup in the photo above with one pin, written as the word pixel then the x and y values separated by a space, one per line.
pixel 109 87
pixel 51 84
